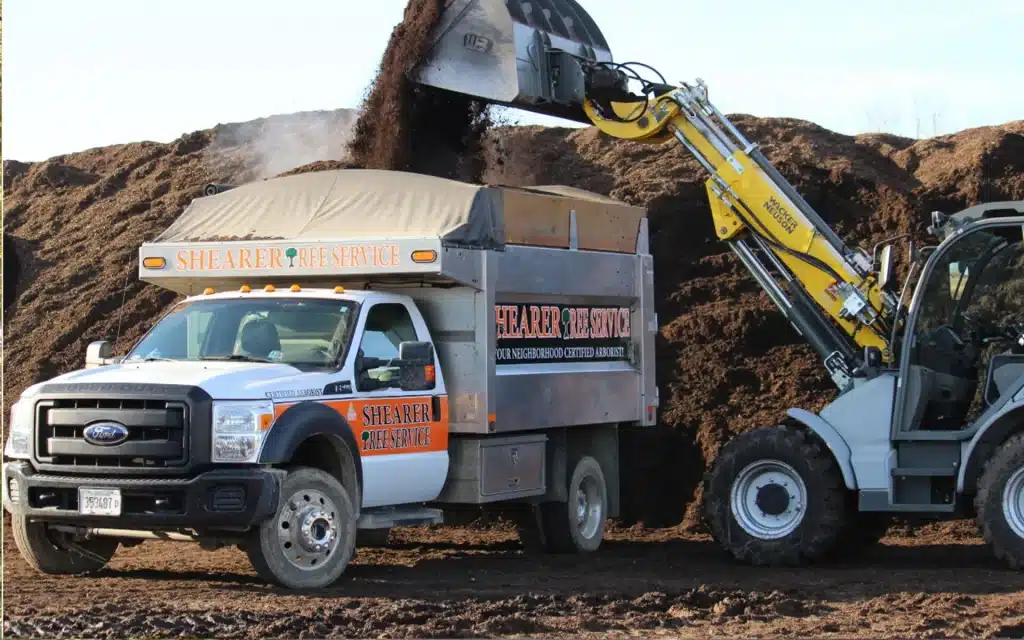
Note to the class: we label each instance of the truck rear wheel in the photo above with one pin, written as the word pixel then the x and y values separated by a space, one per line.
pixel 56 552
pixel 999 502
pixel 576 525
pixel 775 496
pixel 311 539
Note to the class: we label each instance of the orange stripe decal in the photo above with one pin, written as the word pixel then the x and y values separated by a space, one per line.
pixel 385 426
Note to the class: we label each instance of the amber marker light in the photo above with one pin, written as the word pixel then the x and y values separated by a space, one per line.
pixel 154 263
pixel 269 288
pixel 424 255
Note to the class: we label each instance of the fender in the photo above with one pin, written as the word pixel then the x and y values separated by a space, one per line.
pixel 302 421
pixel 834 442
pixel 989 435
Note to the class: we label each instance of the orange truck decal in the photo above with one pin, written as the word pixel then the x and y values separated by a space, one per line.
pixel 385 426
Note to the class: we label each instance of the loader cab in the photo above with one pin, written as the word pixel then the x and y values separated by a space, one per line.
pixel 962 352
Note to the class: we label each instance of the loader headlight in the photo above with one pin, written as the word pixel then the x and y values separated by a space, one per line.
pixel 239 427
pixel 19 440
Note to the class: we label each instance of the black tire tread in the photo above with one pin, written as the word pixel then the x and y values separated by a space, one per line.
pixel 45 557
pixel 1006 546
pixel 805 545
pixel 545 528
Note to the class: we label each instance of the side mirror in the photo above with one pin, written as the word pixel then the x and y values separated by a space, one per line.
pixel 98 354
pixel 416 366
pixel 885 269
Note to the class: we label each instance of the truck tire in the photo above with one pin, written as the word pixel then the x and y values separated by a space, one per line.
pixel 310 540
pixel 55 553
pixel 999 502
pixel 775 496
pixel 574 526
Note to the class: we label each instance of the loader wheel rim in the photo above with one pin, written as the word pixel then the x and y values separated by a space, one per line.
pixel 307 529
pixel 588 510
pixel 768 499
pixel 1013 502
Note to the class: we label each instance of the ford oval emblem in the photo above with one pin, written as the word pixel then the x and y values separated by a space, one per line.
pixel 105 434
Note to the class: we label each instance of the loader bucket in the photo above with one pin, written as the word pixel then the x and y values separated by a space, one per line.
pixel 520 53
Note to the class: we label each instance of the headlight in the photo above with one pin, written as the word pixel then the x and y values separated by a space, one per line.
pixel 19 441
pixel 239 428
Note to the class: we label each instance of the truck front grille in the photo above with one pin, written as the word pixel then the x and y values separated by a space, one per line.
pixel 157 433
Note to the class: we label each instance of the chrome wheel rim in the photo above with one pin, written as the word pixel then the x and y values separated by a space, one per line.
pixel 1013 502
pixel 307 529
pixel 768 499
pixel 589 509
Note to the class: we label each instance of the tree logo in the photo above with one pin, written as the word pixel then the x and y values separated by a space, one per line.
pixel 290 254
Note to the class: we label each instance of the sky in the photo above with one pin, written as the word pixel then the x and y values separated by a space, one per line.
pixel 81 74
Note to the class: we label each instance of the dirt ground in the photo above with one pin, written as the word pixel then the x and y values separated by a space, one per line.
pixel 726 362
pixel 461 582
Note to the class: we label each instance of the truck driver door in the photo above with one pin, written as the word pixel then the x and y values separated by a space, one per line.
pixel 402 434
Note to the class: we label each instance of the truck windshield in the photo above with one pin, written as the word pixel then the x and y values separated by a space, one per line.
pixel 300 332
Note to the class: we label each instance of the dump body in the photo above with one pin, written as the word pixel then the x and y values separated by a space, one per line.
pixel 539 302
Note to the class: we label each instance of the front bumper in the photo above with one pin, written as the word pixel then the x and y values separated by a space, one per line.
pixel 230 499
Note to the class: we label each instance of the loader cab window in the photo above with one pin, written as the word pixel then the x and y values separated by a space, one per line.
pixel 969 307
pixel 387 326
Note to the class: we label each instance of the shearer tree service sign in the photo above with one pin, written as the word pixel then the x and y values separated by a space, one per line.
pixel 535 333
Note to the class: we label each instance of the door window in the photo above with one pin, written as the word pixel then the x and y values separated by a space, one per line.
pixel 387 326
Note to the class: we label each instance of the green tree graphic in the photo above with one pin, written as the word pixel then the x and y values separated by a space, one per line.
pixel 290 254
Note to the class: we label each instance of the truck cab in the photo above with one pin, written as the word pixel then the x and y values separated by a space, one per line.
pixel 366 350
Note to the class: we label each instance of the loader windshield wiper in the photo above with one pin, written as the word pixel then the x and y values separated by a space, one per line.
pixel 237 357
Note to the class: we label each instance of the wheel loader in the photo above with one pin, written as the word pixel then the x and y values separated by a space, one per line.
pixel 929 417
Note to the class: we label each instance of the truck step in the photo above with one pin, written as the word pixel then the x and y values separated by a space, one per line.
pixel 400 516
pixel 932 472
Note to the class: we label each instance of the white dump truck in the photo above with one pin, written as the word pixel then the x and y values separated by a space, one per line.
pixel 357 350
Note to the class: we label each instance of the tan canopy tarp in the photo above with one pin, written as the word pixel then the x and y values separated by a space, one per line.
pixel 365 203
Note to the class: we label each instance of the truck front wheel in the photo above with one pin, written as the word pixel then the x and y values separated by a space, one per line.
pixel 775 496
pixel 999 502
pixel 58 553
pixel 311 539
pixel 576 525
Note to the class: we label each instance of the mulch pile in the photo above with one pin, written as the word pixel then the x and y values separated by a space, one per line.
pixel 727 360
pixel 404 126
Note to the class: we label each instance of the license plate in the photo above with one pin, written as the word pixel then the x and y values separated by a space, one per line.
pixel 99 502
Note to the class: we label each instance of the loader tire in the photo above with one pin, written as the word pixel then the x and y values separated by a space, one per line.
pixel 574 526
pixel 56 553
pixel 775 496
pixel 311 538
pixel 999 502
